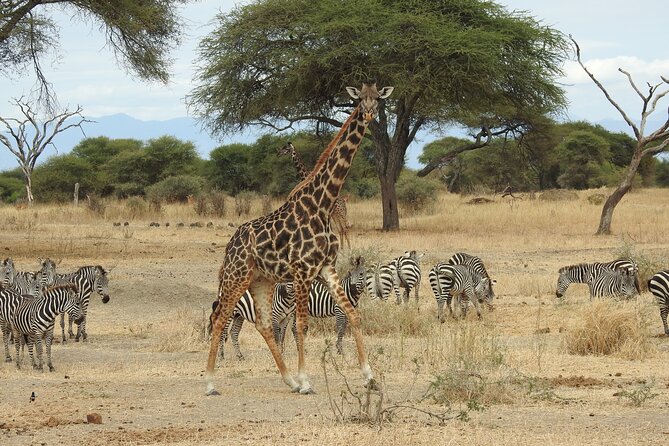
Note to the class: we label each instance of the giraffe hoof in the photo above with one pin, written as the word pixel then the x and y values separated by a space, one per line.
pixel 307 391
pixel 51 368
pixel 212 392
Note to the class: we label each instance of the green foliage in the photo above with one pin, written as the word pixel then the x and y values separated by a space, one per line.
pixel 11 188
pixel 662 172
pixel 414 193
pixel 174 189
pixel 582 154
pixel 139 32
pixel 54 180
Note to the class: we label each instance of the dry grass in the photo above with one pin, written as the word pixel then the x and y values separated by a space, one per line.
pixel 611 328
pixel 142 366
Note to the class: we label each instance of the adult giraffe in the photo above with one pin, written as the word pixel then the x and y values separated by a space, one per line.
pixel 295 244
pixel 339 212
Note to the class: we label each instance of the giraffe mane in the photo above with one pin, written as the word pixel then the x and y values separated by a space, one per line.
pixel 326 153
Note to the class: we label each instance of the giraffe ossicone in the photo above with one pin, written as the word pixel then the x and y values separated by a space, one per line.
pixel 295 244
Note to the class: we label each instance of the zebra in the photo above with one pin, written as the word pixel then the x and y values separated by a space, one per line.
pixel 381 280
pixel 659 286
pixel 475 264
pixel 87 279
pixel 9 302
pixel 612 282
pixel 582 272
pixel 27 282
pixel 322 304
pixel 245 310
pixel 35 317
pixel 462 282
pixel 408 273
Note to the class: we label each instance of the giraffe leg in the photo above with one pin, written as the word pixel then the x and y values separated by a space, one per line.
pixel 330 275
pixel 301 291
pixel 261 290
pixel 230 290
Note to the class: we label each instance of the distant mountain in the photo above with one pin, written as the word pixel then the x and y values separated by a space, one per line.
pixel 187 129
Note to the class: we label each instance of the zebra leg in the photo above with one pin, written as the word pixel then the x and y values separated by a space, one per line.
pixel 415 290
pixel 340 324
pixel 48 341
pixel 398 297
pixel 81 329
pixel 236 328
pixel 62 326
pixel 38 352
pixel 663 315
pixel 17 347
pixel 70 332
pixel 407 291
pixel 5 339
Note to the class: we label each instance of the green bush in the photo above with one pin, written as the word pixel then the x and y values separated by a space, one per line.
pixel 365 188
pixel 174 189
pixel 126 190
pixel 414 193
pixel 11 189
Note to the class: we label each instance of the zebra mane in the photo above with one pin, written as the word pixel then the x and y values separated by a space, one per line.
pixel 70 286
pixel 564 269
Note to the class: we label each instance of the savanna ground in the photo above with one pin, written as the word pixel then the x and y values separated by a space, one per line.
pixel 508 379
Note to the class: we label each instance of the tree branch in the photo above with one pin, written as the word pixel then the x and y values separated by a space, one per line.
pixel 606 93
pixel 324 119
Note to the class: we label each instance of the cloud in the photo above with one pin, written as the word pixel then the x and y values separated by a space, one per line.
pixel 606 70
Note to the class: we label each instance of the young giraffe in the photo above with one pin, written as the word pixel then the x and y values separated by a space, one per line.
pixel 295 244
pixel 339 212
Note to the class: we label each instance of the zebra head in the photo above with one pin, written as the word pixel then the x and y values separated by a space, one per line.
pixel 101 284
pixel 7 272
pixel 484 294
pixel 629 283
pixel 46 276
pixel 357 277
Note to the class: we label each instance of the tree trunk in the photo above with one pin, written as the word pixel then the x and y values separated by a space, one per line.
pixel 29 187
pixel 391 216
pixel 616 196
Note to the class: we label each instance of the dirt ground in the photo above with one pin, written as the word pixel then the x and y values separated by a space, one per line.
pixel 148 387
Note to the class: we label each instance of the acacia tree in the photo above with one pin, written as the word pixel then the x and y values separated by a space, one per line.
pixel 279 63
pixel 646 145
pixel 139 32
pixel 27 137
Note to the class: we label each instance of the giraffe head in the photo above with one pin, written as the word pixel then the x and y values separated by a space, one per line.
pixel 369 97
pixel 288 149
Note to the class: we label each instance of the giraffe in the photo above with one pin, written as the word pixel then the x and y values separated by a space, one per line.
pixel 294 244
pixel 339 212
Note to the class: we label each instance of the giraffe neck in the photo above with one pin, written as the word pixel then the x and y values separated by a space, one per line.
pixel 299 165
pixel 324 183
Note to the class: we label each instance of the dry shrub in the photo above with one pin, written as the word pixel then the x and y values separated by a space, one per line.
pixel 648 264
pixel 611 328
pixel 243 203
pixel 558 195
pixel 387 318
pixel 185 331
pixel 596 199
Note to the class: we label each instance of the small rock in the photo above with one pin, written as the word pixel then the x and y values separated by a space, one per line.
pixel 52 422
pixel 94 418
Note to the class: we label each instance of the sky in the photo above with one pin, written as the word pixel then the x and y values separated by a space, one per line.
pixel 612 34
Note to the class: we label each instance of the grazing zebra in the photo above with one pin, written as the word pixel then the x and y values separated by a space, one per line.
pixel 245 310
pixel 475 264
pixel 408 273
pixel 659 286
pixel 323 305
pixel 381 280
pixel 9 302
pixel 87 279
pixel 582 272
pixel 36 318
pixel 612 282
pixel 460 282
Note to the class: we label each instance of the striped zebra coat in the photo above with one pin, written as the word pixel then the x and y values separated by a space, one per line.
pixel 381 280
pixel 475 264
pixel 9 302
pixel 27 282
pixel 322 304
pixel 659 286
pixel 463 284
pixel 408 273
pixel 87 279
pixel 35 317
pixel 245 310
pixel 612 282
pixel 583 272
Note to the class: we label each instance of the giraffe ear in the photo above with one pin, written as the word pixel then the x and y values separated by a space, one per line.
pixel 385 92
pixel 353 92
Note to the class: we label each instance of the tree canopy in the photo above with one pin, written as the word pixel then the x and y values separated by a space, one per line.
pixel 278 62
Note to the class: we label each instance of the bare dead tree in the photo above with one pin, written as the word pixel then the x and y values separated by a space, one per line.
pixel 27 137
pixel 652 144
